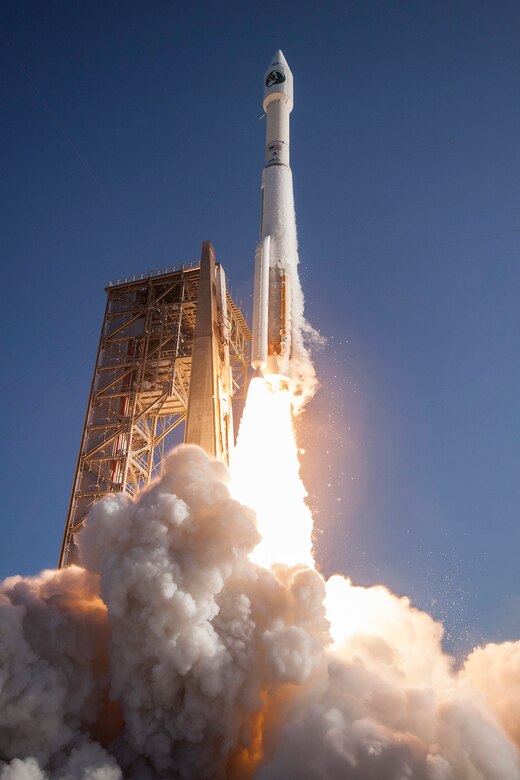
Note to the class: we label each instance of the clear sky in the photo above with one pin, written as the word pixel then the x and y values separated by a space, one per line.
pixel 131 132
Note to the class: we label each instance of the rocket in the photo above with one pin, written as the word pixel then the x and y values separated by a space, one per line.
pixel 276 252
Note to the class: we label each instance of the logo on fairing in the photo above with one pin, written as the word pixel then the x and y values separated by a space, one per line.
pixel 274 77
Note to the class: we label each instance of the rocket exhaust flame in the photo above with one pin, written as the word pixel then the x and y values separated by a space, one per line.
pixel 265 475
pixel 199 642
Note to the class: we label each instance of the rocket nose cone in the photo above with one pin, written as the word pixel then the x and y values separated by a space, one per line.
pixel 278 58
pixel 278 81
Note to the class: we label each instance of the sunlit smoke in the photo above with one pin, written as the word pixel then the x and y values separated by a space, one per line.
pixel 174 657
pixel 265 476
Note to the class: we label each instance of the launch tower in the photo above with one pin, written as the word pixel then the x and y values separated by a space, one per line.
pixel 173 353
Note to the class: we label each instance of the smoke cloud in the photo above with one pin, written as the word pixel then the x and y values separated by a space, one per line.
pixel 172 655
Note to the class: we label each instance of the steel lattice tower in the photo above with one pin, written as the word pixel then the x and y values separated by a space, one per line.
pixel 173 351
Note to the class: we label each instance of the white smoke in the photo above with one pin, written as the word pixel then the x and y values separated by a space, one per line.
pixel 388 705
pixel 224 669
pixel 494 671
pixel 53 675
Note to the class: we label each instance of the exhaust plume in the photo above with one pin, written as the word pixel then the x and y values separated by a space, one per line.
pixel 173 655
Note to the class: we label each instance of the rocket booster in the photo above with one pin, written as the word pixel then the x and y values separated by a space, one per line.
pixel 275 255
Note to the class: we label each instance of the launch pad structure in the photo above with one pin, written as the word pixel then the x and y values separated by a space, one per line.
pixel 173 352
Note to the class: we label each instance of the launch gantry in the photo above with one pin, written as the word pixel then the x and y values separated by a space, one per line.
pixel 173 352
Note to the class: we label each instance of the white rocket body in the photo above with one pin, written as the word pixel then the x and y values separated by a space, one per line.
pixel 276 253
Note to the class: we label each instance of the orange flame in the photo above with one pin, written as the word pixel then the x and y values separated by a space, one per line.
pixel 266 476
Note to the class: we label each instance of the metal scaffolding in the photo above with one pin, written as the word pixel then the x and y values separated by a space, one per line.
pixel 141 384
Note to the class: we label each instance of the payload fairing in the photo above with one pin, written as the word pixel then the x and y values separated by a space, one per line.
pixel 275 257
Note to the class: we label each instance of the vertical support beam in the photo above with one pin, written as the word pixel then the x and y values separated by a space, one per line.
pixel 203 420
pixel 225 379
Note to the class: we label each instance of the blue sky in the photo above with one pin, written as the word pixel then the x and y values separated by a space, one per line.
pixel 131 133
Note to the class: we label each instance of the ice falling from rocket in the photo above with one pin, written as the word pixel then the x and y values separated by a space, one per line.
pixel 275 256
